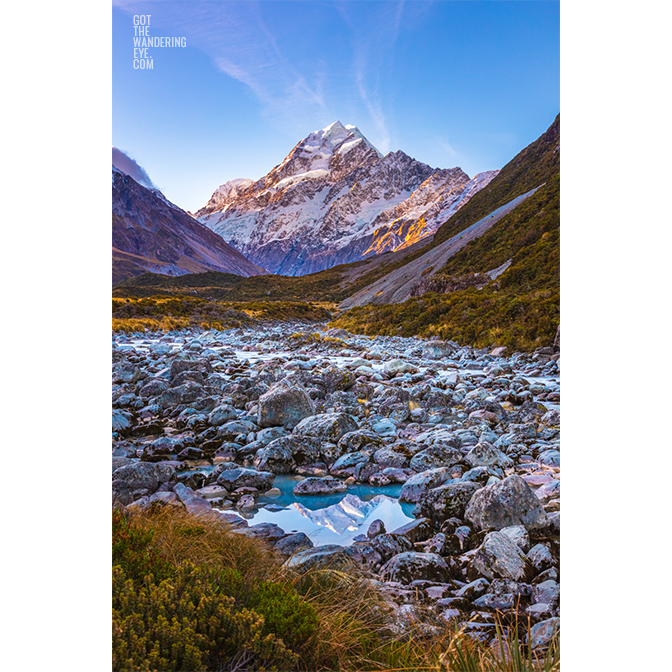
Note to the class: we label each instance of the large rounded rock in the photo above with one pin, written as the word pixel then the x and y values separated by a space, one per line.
pixel 192 502
pixel 447 501
pixel 232 479
pixel 359 439
pixel 484 454
pixel 499 557
pixel 182 394
pixel 391 544
pixel 328 427
pixel 504 504
pixel 286 403
pixel 437 349
pixel 345 464
pixel 122 421
pixel 153 387
pixel 315 485
pixel 179 366
pixel 413 566
pixel 419 529
pixel 222 414
pixel 417 485
pixel 283 455
pixel 293 543
pixel 397 367
pixel 437 455
pixel 542 633
pixel 141 476
pixel 321 556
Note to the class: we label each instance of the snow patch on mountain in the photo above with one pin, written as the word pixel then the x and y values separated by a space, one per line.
pixel 335 199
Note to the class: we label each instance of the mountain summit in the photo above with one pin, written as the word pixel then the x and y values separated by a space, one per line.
pixel 335 199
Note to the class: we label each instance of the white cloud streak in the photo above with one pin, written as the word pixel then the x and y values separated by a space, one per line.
pixel 126 164
pixel 300 92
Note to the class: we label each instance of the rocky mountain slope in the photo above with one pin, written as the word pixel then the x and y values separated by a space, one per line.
pixel 335 199
pixel 502 287
pixel 149 233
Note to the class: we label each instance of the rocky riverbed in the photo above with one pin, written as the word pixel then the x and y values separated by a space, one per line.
pixel 433 467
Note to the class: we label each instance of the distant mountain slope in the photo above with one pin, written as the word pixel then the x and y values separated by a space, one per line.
pixel 335 199
pixel 398 285
pixel 502 288
pixel 151 234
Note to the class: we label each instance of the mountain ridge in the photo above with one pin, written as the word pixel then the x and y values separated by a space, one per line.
pixel 335 199
pixel 149 233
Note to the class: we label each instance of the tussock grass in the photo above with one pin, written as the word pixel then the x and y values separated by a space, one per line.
pixel 211 578
pixel 167 313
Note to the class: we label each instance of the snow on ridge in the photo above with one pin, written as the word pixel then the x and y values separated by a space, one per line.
pixel 347 146
pixel 308 175
pixel 233 185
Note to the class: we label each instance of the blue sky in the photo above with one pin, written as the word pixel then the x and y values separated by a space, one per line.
pixel 450 83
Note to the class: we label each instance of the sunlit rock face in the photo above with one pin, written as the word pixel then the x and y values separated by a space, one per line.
pixel 335 199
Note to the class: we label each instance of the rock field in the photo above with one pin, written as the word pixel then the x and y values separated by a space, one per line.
pixel 206 420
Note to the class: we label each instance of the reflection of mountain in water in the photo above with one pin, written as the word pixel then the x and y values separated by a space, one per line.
pixel 351 513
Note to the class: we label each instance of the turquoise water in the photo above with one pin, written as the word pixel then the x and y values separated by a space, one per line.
pixel 333 519
pixel 315 502
pixel 329 519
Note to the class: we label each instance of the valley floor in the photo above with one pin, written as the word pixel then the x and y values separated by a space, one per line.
pixel 426 471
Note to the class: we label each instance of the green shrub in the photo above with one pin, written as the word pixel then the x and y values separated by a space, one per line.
pixel 285 613
pixel 132 550
pixel 183 624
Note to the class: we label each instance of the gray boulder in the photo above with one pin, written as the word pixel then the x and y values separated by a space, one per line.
pixel 437 455
pixel 222 414
pixel 232 479
pixel 542 633
pixel 417 485
pixel 284 454
pixel 499 557
pixel 192 502
pixel 413 566
pixel 286 403
pixel 437 349
pixel 328 427
pixel 293 543
pixel 122 421
pixel 376 528
pixel 182 394
pixel 519 536
pixel 419 529
pixel 315 485
pixel 312 558
pixel 484 454
pixel 391 544
pixel 447 501
pixel 360 439
pixel 504 504
pixel 345 465
pixel 141 476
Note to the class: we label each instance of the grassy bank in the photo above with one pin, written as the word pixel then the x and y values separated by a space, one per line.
pixel 485 318
pixel 190 595
pixel 165 313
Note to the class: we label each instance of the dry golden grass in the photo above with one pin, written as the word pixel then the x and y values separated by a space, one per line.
pixel 357 625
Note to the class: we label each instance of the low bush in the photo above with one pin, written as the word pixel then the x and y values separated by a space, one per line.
pixel 189 594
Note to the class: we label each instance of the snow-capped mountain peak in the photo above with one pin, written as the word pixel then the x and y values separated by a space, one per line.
pixel 334 199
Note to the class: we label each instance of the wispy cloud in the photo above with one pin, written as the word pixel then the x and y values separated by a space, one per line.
pixel 444 144
pixel 373 43
pixel 241 45
pixel 296 88
pixel 126 164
